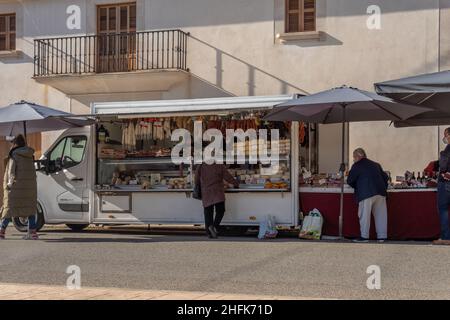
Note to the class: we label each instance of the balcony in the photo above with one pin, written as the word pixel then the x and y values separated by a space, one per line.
pixel 137 61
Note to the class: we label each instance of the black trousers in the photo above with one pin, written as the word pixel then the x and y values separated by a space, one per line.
pixel 209 215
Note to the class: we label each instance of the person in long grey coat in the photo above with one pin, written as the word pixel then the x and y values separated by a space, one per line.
pixel 211 178
pixel 20 188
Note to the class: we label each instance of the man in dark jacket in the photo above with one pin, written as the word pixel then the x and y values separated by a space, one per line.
pixel 444 190
pixel 370 183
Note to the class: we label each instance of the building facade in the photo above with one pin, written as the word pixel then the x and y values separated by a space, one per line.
pixel 69 53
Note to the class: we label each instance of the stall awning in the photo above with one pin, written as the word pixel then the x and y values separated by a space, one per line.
pixel 188 106
pixel 430 90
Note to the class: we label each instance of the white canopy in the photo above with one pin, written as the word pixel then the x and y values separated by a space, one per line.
pixel 187 106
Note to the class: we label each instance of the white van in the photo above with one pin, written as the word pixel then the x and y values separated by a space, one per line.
pixel 74 176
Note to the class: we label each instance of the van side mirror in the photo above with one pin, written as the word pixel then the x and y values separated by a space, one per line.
pixel 59 164
pixel 42 165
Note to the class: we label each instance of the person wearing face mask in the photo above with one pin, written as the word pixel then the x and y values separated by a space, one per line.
pixel 444 190
pixel 370 183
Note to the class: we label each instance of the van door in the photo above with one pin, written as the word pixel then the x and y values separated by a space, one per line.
pixel 63 189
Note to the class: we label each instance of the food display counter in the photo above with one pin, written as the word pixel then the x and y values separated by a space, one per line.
pixel 137 181
pixel 412 213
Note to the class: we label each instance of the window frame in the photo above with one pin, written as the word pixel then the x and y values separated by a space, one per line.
pixel 301 12
pixel 117 8
pixel 116 45
pixel 65 140
pixel 8 33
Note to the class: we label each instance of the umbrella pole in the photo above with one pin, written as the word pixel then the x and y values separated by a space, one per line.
pixel 25 130
pixel 342 171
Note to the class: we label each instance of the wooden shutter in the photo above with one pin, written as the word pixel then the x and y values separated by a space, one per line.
pixel 7 32
pixel 300 15
pixel 116 44
pixel 309 15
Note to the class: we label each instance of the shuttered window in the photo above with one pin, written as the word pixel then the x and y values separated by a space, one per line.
pixel 120 18
pixel 116 26
pixel 7 32
pixel 300 15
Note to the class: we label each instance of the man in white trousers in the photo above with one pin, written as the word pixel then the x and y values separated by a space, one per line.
pixel 370 183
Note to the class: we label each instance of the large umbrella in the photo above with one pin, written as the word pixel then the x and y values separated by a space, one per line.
pixel 341 105
pixel 26 117
pixel 430 90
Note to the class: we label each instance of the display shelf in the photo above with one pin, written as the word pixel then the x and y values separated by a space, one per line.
pixel 166 160
pixel 162 160
pixel 256 190
pixel 139 190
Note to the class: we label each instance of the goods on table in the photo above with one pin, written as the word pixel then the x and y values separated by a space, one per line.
pixel 410 181
pixel 149 180
pixel 253 147
pixel 111 152
pixel 275 185
pixel 253 179
pixel 321 180
pixel 114 153
pixel 284 146
pixel 153 152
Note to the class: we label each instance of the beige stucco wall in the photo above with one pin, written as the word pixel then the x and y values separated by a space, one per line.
pixel 233 50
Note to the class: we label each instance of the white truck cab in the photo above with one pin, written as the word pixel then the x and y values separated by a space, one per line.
pixel 62 177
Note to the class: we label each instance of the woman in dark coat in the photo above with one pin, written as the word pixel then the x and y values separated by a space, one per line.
pixel 211 179
pixel 20 188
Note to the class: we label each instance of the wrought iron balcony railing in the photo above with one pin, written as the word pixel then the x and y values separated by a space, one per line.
pixel 105 53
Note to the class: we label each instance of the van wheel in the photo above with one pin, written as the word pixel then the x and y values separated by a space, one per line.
pixel 21 224
pixel 77 227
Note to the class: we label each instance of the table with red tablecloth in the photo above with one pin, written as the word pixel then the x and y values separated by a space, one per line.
pixel 412 214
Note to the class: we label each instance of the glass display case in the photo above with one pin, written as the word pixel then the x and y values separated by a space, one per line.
pixel 134 154
pixel 147 174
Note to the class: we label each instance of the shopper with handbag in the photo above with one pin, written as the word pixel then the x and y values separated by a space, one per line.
pixel 209 181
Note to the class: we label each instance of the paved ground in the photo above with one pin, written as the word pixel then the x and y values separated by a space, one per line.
pixel 186 261
pixel 44 292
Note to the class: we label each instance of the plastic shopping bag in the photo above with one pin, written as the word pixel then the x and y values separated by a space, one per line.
pixel 268 228
pixel 312 226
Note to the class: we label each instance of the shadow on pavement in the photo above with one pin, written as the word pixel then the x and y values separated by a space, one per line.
pixel 143 235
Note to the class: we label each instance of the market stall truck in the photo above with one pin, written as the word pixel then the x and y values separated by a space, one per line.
pixel 74 175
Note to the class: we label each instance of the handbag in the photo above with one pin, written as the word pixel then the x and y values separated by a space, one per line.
pixel 197 193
